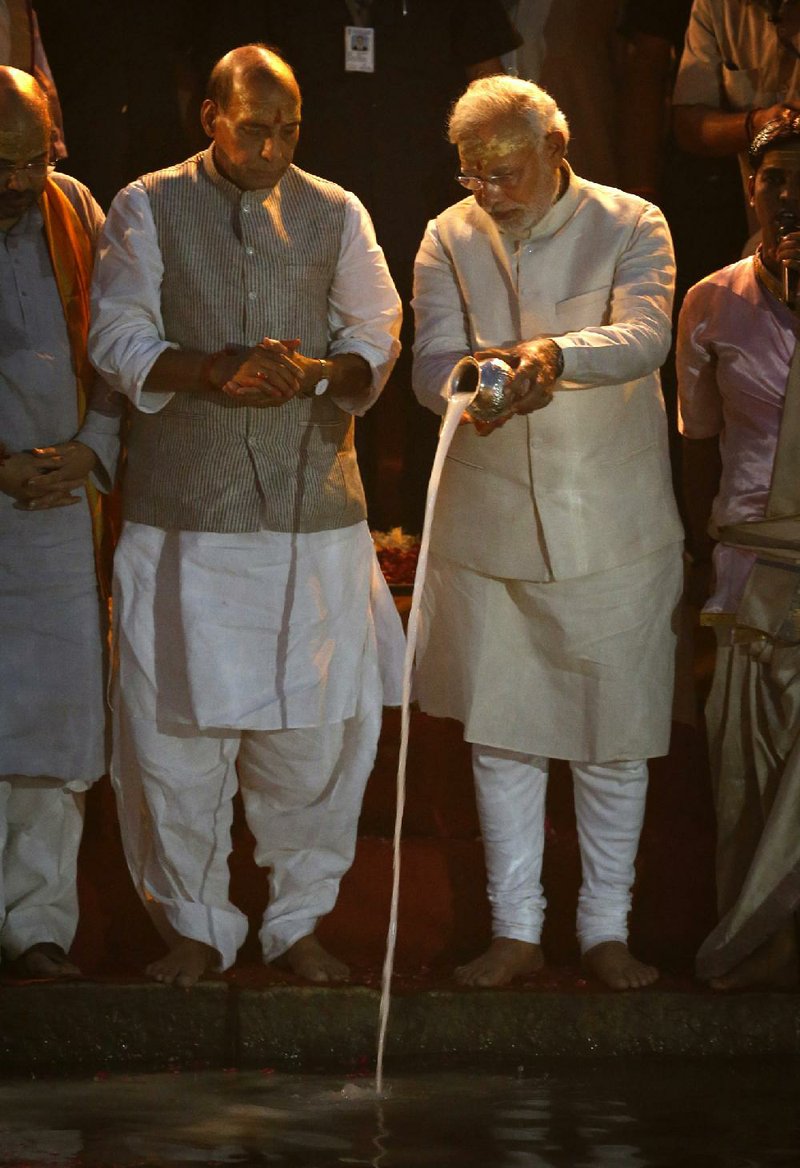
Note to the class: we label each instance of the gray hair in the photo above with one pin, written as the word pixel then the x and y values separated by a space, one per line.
pixel 502 98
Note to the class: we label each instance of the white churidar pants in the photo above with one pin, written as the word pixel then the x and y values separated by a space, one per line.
pixel 609 808
pixel 40 833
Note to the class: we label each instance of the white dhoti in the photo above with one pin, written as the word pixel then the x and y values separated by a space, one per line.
pixel 578 669
pixel 753 718
pixel 256 651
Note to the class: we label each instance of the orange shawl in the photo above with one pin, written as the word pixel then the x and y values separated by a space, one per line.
pixel 71 255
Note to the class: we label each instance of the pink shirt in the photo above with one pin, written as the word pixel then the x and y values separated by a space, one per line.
pixel 735 342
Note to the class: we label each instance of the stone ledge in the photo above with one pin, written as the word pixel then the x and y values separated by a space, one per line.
pixel 99 1027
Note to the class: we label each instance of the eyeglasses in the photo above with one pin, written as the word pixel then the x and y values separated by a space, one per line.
pixel 31 170
pixel 501 182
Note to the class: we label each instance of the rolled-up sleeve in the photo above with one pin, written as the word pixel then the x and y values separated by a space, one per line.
pixel 699 79
pixel 364 311
pixel 127 332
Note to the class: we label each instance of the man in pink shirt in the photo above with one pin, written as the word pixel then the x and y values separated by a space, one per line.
pixel 739 397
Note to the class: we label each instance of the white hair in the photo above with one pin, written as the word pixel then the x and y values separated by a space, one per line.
pixel 502 98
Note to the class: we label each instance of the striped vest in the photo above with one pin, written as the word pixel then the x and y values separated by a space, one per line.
pixel 240 266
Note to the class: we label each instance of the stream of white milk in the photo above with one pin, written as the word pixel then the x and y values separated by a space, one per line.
pixel 457 404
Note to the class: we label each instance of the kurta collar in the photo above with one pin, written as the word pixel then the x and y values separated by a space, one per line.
pixel 552 222
pixel 230 190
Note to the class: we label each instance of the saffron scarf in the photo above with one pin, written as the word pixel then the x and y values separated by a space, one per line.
pixel 71 255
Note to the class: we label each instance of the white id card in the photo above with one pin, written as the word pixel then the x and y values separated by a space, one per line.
pixel 359 49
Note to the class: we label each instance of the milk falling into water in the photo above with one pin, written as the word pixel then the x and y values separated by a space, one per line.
pixel 457 404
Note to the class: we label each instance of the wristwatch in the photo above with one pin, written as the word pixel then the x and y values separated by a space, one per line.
pixel 325 378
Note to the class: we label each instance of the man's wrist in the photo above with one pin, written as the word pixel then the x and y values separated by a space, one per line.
pixel 209 377
pixel 555 360
pixel 324 373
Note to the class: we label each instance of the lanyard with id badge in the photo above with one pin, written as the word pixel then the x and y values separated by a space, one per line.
pixel 359 37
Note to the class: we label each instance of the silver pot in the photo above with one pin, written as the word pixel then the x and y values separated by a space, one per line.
pixel 490 378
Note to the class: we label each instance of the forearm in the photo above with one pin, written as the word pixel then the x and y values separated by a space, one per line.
pixel 700 474
pixel 701 129
pixel 349 376
pixel 183 371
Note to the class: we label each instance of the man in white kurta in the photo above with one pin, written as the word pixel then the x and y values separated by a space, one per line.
pixel 52 622
pixel 246 309
pixel 555 565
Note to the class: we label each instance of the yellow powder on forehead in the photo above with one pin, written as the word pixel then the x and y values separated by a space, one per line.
pixel 495 142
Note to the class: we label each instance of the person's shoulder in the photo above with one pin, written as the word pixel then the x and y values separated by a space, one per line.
pixel 617 209
pixel 614 199
pixel 465 215
pixel 315 184
pixel 187 168
pixel 73 188
pixel 736 276
pixel 81 199
pixel 735 281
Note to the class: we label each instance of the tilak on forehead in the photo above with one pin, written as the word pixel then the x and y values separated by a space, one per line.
pixel 495 139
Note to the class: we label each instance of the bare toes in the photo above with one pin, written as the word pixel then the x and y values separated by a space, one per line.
pixel 614 965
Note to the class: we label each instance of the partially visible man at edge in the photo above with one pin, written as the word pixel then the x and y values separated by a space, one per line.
pixel 739 395
pixel 246 310
pixel 555 556
pixel 52 621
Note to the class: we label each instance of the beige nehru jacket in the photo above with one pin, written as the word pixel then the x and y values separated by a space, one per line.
pixel 583 485
pixel 233 274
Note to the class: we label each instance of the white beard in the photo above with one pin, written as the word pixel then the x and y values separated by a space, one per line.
pixel 520 225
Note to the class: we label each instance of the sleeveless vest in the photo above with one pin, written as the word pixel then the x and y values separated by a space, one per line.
pixel 240 266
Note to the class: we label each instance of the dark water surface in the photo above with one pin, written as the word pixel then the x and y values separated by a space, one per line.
pixel 610 1114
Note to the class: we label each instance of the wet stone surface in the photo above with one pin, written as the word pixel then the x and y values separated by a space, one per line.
pixel 604 1114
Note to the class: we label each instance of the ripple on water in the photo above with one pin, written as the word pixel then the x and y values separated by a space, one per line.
pixel 650 1114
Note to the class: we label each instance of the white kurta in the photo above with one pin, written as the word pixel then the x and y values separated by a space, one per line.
pixel 252 651
pixel 53 716
pixel 236 598
pixel 251 631
pixel 53 740
pixel 555 567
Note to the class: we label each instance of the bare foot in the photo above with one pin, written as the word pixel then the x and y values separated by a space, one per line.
pixel 504 960
pixel 773 964
pixel 184 965
pixel 614 965
pixel 46 961
pixel 308 959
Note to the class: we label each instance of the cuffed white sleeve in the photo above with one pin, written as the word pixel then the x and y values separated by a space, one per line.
pixel 127 332
pixel 364 311
pixel 699 79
